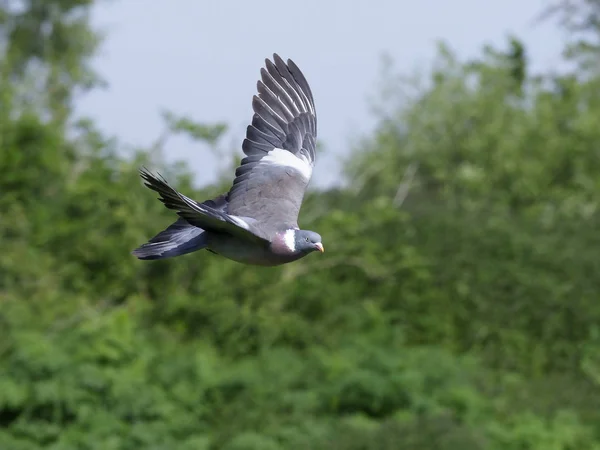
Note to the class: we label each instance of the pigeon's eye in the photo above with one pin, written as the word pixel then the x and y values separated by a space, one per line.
pixel 306 239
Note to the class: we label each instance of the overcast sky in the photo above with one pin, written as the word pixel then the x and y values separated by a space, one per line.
pixel 203 59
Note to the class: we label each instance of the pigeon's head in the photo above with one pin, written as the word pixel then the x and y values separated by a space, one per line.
pixel 297 242
pixel 307 241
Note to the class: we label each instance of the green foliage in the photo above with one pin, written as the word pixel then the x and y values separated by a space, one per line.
pixel 514 181
pixel 455 309
pixel 199 132
pixel 581 20
pixel 46 53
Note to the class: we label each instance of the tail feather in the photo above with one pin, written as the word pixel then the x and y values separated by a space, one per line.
pixel 177 239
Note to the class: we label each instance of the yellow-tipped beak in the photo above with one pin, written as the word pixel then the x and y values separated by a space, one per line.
pixel 320 247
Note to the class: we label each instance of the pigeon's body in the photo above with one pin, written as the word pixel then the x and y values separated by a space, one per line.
pixel 256 221
pixel 249 253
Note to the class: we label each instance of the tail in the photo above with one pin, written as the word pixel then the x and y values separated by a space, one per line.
pixel 178 239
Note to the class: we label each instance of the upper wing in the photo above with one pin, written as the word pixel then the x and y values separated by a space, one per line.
pixel 280 148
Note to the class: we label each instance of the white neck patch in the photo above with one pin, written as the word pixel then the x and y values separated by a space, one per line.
pixel 289 239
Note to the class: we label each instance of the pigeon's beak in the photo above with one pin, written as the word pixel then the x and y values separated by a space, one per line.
pixel 320 247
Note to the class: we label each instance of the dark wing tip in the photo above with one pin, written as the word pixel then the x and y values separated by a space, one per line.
pixel 151 180
pixel 277 58
pixel 144 171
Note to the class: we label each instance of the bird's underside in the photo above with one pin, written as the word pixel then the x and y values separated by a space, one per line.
pixel 246 252
pixel 251 223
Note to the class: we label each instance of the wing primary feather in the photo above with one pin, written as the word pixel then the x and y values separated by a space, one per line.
pixel 255 135
pixel 293 92
pixel 301 80
pixel 274 102
pixel 285 73
pixel 265 127
pixel 279 90
pixel 268 115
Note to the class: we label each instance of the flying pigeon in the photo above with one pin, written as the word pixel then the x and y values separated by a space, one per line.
pixel 256 221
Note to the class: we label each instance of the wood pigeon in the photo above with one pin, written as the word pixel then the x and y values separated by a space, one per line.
pixel 256 221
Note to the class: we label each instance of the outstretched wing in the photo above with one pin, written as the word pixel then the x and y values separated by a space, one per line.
pixel 280 146
pixel 208 215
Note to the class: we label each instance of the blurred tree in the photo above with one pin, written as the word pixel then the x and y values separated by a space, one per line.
pixel 46 51
pixel 581 20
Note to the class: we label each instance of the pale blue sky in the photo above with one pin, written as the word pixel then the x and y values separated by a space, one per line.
pixel 203 59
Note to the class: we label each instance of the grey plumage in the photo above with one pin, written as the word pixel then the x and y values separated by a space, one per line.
pixel 177 239
pixel 256 221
